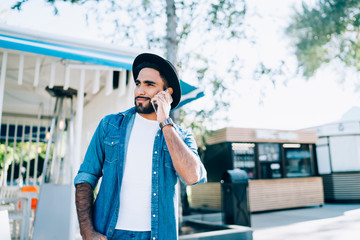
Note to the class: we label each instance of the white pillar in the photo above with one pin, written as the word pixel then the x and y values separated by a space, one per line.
pixel 67 78
pixel 52 73
pixel 37 70
pixel 21 69
pixel 77 149
pixel 78 123
pixel 96 83
pixel 109 83
pixel 2 82
pixel 122 84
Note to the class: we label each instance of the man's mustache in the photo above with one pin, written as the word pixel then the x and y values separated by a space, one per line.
pixel 143 98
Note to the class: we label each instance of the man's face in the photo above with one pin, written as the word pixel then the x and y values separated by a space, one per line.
pixel 148 84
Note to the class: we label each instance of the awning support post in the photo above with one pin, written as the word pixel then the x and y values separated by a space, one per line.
pixel 2 81
pixel 77 150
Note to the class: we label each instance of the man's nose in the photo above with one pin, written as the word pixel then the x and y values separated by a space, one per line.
pixel 140 90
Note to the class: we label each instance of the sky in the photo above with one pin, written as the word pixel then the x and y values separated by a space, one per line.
pixel 302 103
pixel 299 104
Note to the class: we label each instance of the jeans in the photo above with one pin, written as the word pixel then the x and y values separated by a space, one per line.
pixel 130 235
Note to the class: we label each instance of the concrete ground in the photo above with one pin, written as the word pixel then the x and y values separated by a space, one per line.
pixel 329 222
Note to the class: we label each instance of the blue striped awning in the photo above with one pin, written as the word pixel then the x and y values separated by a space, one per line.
pixel 66 52
pixel 189 93
pixel 84 53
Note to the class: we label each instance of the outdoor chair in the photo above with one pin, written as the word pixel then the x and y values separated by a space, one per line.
pixel 18 206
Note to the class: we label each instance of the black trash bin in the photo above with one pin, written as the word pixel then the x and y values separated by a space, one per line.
pixel 235 203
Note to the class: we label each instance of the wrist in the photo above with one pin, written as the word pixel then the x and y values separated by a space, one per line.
pixel 87 231
pixel 160 120
pixel 90 235
pixel 167 122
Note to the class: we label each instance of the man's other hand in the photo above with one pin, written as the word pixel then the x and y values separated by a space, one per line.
pixel 95 236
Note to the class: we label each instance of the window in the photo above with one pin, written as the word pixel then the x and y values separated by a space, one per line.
pixel 298 160
pixel 244 157
pixel 269 157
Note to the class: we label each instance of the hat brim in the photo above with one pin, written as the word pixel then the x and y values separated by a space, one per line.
pixel 166 68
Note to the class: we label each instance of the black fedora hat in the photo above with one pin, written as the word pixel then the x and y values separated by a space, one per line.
pixel 166 69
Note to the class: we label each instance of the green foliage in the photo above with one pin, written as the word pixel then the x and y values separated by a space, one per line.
pixel 328 31
pixel 18 5
pixel 15 153
pixel 200 25
pixel 228 14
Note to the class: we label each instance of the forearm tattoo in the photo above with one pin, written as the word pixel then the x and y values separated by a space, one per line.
pixel 84 205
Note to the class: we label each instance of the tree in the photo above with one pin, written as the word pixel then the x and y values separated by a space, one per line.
pixel 325 32
pixel 166 26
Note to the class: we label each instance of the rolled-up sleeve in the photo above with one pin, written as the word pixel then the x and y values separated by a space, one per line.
pixel 91 169
pixel 83 177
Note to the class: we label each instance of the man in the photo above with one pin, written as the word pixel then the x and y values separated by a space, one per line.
pixel 139 154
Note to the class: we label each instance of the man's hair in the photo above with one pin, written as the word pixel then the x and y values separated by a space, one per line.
pixel 153 66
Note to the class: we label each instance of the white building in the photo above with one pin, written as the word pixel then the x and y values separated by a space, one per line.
pixel 338 157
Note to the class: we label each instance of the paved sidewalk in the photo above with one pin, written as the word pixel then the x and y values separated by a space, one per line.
pixel 329 222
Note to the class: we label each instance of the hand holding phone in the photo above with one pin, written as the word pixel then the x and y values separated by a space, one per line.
pixel 169 91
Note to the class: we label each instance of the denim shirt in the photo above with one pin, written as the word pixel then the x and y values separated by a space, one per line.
pixel 105 157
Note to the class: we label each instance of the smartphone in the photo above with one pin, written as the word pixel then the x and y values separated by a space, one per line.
pixel 154 104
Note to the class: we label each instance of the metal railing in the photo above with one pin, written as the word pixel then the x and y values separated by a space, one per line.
pixel 22 142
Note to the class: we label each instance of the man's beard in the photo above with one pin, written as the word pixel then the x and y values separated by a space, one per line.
pixel 141 108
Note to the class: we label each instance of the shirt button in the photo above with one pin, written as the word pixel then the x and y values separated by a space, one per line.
pixel 155 152
pixel 154 215
pixel 154 194
pixel 154 238
pixel 154 172
pixel 112 142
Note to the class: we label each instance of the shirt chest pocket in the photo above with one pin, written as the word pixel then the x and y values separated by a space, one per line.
pixel 111 149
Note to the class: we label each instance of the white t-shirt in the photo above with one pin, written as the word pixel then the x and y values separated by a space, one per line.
pixel 135 194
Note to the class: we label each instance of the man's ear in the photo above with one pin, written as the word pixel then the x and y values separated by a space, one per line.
pixel 170 90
